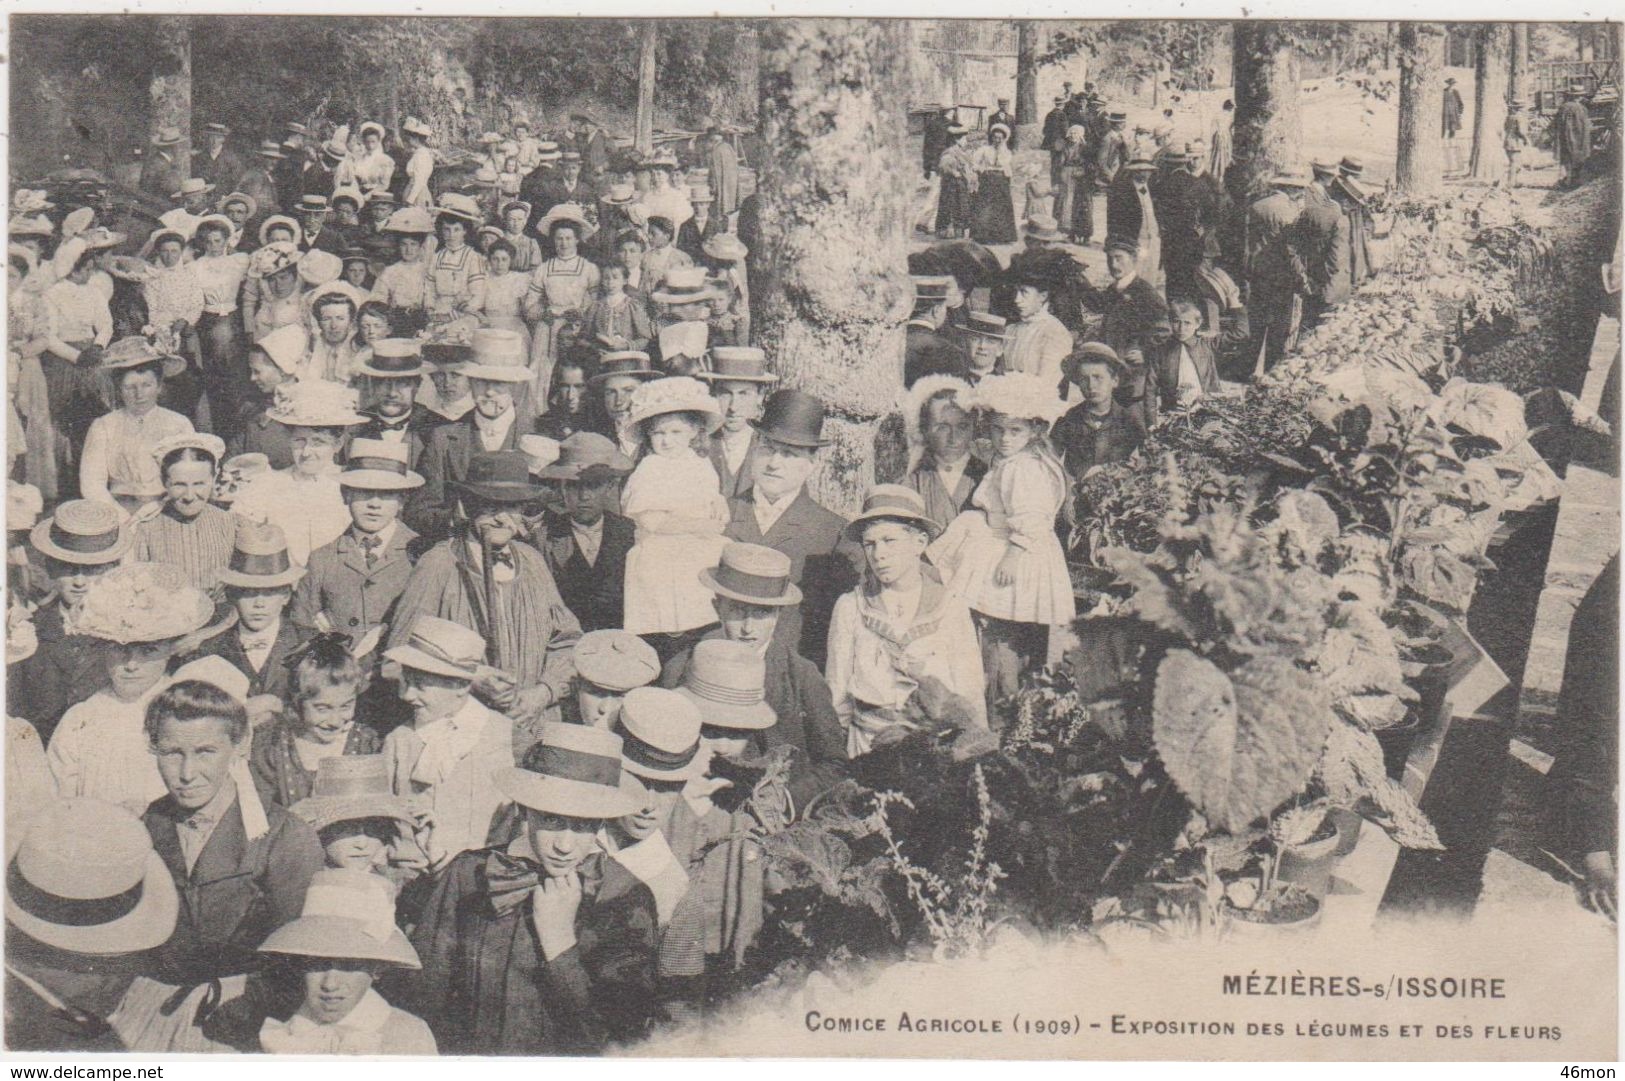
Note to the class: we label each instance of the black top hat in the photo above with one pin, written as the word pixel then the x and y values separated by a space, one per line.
pixel 793 417
pixel 499 477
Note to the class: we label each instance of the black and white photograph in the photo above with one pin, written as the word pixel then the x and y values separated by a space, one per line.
pixel 807 536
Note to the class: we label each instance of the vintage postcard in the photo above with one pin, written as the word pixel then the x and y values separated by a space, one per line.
pixel 803 536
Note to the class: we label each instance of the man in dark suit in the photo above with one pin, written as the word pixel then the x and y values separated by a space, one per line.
pixel 1136 319
pixel 492 425
pixel 739 380
pixel 753 595
pixel 547 188
pixel 1323 230
pixel 929 351
pixel 317 234
pixel 586 547
pixel 259 579
pixel 592 145
pixel 258 182
pixel 1181 208
pixel 780 514
pixel 389 380
pixel 216 162
pixel 351 584
pixel 936 138
pixel 161 173
pixel 1054 138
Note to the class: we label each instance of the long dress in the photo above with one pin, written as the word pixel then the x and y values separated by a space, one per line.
pixel 505 304
pixel 993 211
pixel 28 324
pixel 311 510
pixel 560 290
pixel 222 354
pixel 663 590
pixel 116 465
pixel 200 546
pixel 1016 503
pixel 419 168
pixel 79 317
pixel 454 291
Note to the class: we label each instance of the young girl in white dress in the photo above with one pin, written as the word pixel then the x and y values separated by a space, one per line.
pixel 675 498
pixel 1002 554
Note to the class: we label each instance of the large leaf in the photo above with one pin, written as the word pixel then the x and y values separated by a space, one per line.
pixel 1238 746
pixel 1352 769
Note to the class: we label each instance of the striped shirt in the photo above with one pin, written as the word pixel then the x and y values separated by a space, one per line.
pixel 199 546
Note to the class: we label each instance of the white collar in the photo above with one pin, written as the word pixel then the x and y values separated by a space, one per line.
pixel 1127 281
pixel 384 535
pixel 494 426
pixel 266 637
pixel 594 530
pixel 777 506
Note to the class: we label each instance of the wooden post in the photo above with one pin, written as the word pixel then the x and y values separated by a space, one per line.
pixel 645 137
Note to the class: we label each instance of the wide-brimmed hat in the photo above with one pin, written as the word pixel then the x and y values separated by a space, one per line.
pixel 448 356
pixel 318 403
pixel 440 647
pixel 547 150
pixel 660 735
pixel 259 558
pixel 616 660
pixel 1140 165
pixel 348 914
pixel 1042 227
pixel 312 203
pixel 587 456
pixel 624 362
pixel 207 443
pixel 84 532
pixel 410 221
pixel 371 125
pixel 274 258
pixel 540 451
pixel 275 220
pixel 571 770
pixel 670 394
pixel 134 351
pixel 1019 394
pixel 270 148
pixel 1290 178
pixel 737 364
pixel 143 602
pixel 683 285
pixel 379 465
pixel 727 681
pixel 570 212
pixel 192 185
pixel 501 476
pixel 350 787
pixel 1323 167
pixel 793 417
pixel 319 267
pixel 725 247
pixel 999 127
pixel 356 255
pixel 1093 353
pixel 350 192
pixel 499 355
pixel 285 346
pixel 700 193
pixel 83 877
pixel 243 197
pixel 753 574
pixel 166 136
pixel 461 207
pixel 413 126
pixel 893 502
pixel 619 194
pixel 394 358
pixel 986 325
pixel 381 197
pixel 661 159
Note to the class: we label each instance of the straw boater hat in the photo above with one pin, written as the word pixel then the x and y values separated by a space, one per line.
pixel 394 358
pixel 725 247
pixel 1043 227
pixel 793 417
pixel 31 225
pixel 448 356
pixel 726 680
pixel 461 207
pixel 166 136
pixel 1019 394
pixel 350 915
pixel 84 877
pixel 753 574
pixel 540 451
pixel 738 364
pixel 893 503
pixel 587 456
pixel 143 602
pixel 672 394
pixel 212 445
pixel 380 466
pixel 1290 178
pixel 498 477
pixel 316 404
pixel 413 126
pixel 572 770
pixel 616 660
pixel 441 648
pixel 410 221
pixel 986 324
pixel 683 285
pixel 134 351
pixel 499 355
pixel 619 194
pixel 1141 165
pixel 570 212
pixel 350 192
pixel 259 558
pixel 270 148
pixel 285 346
pixel 932 287
pixel 700 192
pixel 547 150
pixel 192 185
pixel 350 787
pixel 248 201
pixel 623 362
pixel 660 735
pixel 84 532
pixel 275 220
pixel 236 472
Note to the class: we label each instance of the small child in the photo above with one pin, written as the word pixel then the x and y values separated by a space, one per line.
pixel 675 498
pixel 343 939
pixel 609 665
pixel 361 823
pixel 617 320
pixel 318 724
pixel 1002 554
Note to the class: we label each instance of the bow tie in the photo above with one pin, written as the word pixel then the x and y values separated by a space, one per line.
pixel 502 557
pixel 257 644
pixel 393 425
pixel 509 879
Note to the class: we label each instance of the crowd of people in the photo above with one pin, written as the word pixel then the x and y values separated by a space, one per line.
pixel 419 602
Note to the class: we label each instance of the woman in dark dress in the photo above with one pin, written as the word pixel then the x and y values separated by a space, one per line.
pixel 993 213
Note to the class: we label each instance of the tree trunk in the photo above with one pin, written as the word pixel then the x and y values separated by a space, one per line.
pixel 1268 126
pixel 1419 166
pixel 1520 63
pixel 1029 42
pixel 1491 72
pixel 834 230
pixel 171 84
pixel 645 137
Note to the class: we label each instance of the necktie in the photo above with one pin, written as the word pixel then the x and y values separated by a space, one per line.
pixel 371 542
pixel 502 557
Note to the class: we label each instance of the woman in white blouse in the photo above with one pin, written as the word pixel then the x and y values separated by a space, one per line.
pixel 117 464
pixel 222 352
pixel 420 166
pixel 559 292
pixel 78 320
pixel 374 169
pixel 993 211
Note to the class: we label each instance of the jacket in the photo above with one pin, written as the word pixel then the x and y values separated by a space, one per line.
pixel 274 677
pixel 1162 369
pixel 1085 441
pixel 260 434
pixel 237 892
pixel 594 592
pixel 354 597
pixel 445 460
pixel 733 484
pixel 64 671
pixel 1055 125
pixel 822 562
pixel 419 423
pixel 929 352
pixel 1124 216
pixel 941 505
pixel 1323 239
